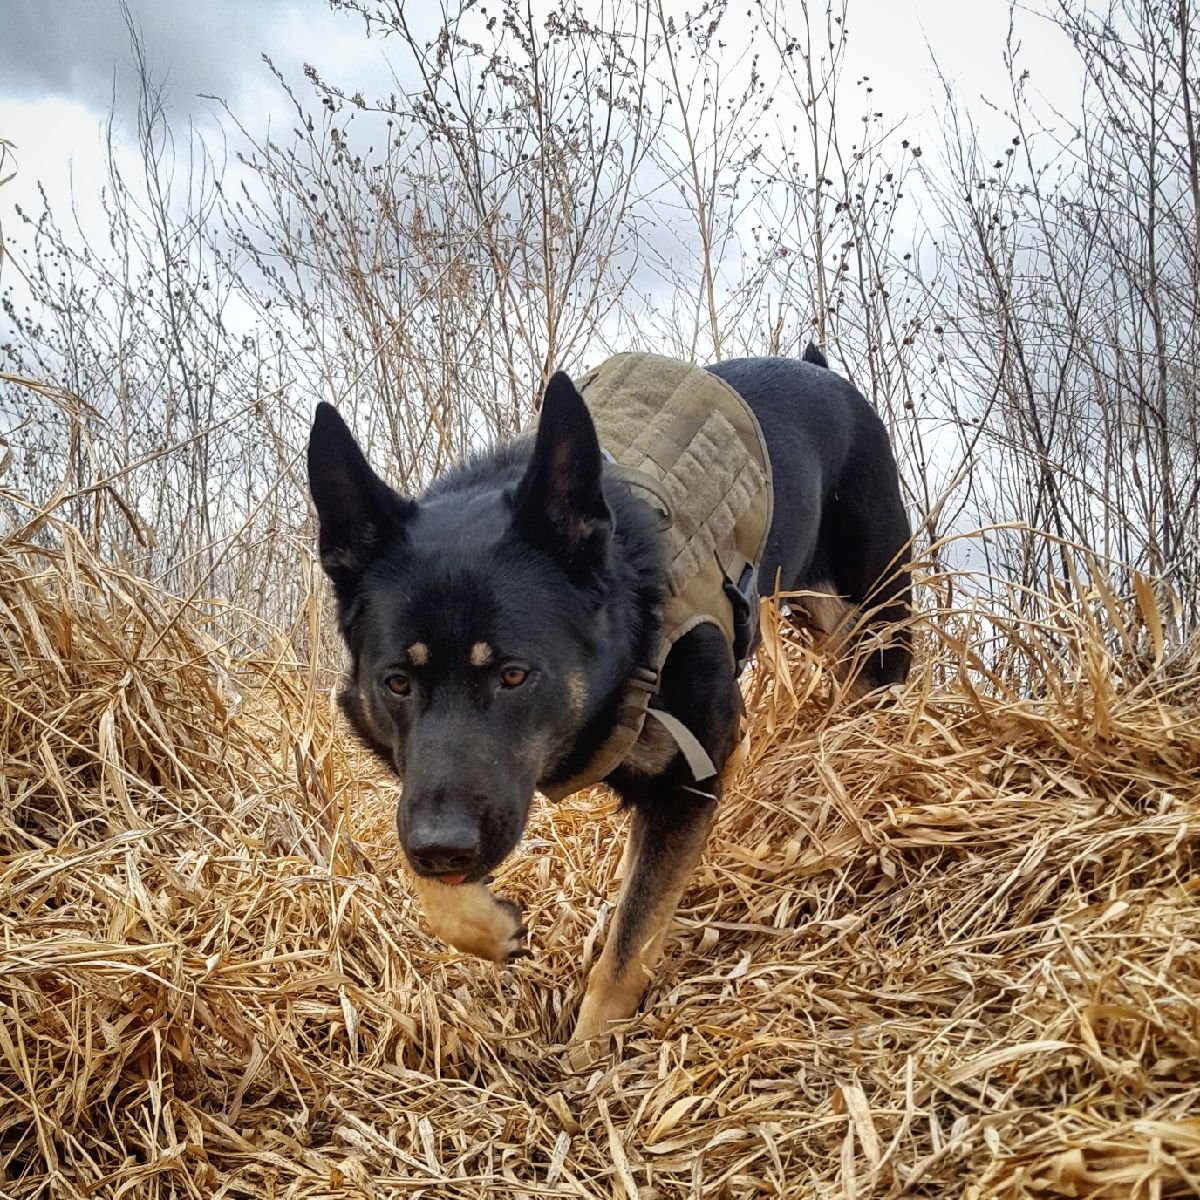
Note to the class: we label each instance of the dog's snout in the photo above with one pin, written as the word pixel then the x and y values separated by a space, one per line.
pixel 444 843
pixel 437 858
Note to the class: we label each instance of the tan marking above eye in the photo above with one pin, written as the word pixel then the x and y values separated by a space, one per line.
pixel 481 654
pixel 418 654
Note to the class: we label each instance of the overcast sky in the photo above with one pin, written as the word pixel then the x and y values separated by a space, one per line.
pixel 65 63
pixel 73 49
pixel 62 63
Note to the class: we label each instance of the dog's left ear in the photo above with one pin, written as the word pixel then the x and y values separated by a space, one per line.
pixel 560 502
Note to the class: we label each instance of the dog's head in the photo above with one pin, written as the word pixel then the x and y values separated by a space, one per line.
pixel 471 617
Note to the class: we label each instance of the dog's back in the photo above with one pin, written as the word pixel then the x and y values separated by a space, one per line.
pixel 839 525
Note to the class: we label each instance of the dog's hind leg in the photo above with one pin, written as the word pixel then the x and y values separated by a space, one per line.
pixel 665 844
pixel 865 542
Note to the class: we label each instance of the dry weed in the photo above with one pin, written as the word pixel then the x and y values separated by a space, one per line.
pixel 944 946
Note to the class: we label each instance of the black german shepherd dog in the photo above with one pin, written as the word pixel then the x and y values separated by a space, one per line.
pixel 493 622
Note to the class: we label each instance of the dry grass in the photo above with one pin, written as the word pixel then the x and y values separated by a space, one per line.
pixel 946 947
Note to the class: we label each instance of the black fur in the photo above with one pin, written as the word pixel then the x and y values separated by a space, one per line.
pixel 540 553
pixel 839 519
pixel 812 354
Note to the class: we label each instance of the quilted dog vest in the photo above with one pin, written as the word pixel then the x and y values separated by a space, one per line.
pixel 690 447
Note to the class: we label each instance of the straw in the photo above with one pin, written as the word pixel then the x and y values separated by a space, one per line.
pixel 946 945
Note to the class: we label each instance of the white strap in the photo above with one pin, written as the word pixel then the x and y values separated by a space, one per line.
pixel 697 757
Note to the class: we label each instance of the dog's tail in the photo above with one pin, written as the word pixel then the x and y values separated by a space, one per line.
pixel 814 356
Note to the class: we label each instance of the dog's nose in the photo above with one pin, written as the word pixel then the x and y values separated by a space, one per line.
pixel 444 855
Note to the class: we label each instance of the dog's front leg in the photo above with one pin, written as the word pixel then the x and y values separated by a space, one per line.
pixel 471 919
pixel 665 843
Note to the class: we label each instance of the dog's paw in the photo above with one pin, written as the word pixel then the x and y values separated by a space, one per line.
pixel 610 999
pixel 579 1056
pixel 517 943
pixel 471 919
pixel 591 1041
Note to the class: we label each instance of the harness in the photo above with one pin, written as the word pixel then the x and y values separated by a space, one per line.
pixel 692 449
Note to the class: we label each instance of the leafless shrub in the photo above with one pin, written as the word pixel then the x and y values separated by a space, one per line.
pixel 537 190
pixel 1075 285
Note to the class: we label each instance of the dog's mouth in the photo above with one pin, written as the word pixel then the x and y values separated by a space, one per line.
pixel 480 873
pixel 452 878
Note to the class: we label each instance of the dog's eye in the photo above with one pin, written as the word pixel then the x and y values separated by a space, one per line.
pixel 513 676
pixel 398 684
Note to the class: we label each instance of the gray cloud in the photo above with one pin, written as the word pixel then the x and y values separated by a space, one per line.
pixel 80 49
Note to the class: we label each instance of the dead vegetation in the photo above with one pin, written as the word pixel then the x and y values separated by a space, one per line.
pixel 945 947
pixel 949 946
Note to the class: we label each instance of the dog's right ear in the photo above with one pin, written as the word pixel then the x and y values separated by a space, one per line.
pixel 355 507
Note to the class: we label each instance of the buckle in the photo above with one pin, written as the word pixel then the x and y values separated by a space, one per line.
pixel 644 678
pixel 743 599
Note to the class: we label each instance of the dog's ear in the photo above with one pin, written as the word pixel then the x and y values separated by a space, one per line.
pixel 560 502
pixel 355 507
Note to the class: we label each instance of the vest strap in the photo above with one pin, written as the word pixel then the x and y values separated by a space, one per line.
pixel 639 687
pixel 698 761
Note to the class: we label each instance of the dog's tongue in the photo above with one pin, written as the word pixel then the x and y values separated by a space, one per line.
pixel 453 880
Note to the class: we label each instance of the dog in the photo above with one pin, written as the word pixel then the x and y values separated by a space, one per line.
pixel 495 622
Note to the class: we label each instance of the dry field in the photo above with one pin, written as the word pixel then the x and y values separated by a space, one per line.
pixel 947 947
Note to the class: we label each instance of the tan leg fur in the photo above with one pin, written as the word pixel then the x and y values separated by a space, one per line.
pixel 471 919
pixel 650 893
